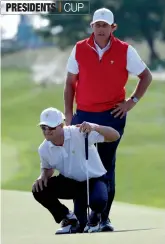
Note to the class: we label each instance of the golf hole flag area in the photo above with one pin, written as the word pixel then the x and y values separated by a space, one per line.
pixel 24 221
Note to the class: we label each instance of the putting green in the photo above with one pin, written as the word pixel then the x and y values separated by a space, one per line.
pixel 9 155
pixel 24 221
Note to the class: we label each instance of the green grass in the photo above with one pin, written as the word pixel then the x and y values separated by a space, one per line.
pixel 141 156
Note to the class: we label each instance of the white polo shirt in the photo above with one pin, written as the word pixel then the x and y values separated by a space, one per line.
pixel 69 159
pixel 135 65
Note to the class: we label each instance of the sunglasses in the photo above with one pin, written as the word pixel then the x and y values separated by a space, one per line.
pixel 45 127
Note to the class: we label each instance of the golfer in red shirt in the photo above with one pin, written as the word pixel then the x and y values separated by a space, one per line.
pixel 98 70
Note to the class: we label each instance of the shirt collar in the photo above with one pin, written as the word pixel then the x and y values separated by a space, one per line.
pixel 103 49
pixel 91 42
pixel 67 136
pixel 67 133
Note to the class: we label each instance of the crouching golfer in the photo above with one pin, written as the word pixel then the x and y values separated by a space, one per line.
pixel 64 150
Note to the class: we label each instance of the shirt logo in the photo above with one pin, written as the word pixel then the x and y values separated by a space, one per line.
pixel 73 151
pixel 112 61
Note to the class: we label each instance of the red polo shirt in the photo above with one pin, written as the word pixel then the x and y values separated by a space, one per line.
pixel 101 83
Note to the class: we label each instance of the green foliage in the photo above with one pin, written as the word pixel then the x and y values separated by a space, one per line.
pixel 138 19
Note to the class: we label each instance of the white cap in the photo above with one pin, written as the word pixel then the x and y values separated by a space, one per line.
pixel 103 14
pixel 51 117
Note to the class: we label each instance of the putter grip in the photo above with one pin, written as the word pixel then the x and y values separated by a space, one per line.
pixel 86 146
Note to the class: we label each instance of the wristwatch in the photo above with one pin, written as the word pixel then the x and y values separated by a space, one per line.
pixel 134 99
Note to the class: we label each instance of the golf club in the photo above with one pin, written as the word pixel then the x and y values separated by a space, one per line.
pixel 86 156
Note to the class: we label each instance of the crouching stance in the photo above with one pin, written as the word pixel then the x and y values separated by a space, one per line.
pixel 64 150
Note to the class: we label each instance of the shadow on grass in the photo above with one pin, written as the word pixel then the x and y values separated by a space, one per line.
pixel 118 231
pixel 135 230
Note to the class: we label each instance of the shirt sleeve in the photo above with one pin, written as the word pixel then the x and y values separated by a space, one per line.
pixel 72 64
pixel 95 137
pixel 43 162
pixel 135 64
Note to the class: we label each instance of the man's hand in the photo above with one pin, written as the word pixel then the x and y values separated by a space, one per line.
pixel 38 184
pixel 123 108
pixel 86 127
pixel 68 118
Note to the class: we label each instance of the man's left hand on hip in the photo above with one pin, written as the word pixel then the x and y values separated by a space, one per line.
pixel 123 107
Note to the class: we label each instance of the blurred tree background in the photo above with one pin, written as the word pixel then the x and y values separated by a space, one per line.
pixel 136 19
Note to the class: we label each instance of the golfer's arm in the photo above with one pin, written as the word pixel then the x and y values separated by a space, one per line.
pixel 47 173
pixel 69 93
pixel 109 133
pixel 144 82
